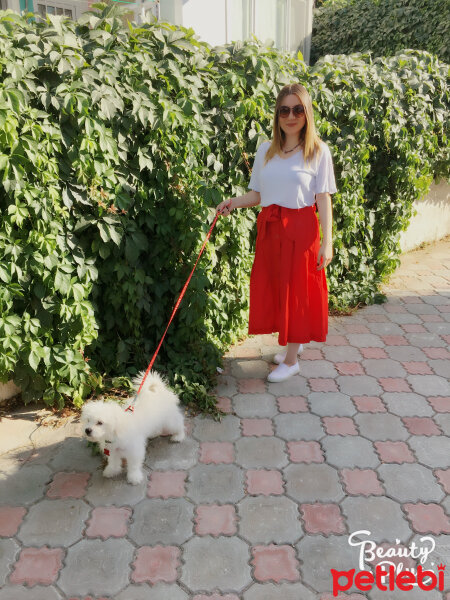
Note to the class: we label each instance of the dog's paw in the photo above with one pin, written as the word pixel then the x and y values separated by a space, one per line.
pixel 110 472
pixel 178 437
pixel 135 477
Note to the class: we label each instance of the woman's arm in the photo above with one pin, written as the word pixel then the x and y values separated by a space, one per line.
pixel 326 221
pixel 251 198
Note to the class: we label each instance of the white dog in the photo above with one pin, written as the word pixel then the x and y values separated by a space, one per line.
pixel 123 433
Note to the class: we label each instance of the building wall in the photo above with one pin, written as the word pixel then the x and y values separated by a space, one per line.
pixel 432 219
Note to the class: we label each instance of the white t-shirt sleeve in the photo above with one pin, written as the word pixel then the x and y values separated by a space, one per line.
pixel 325 181
pixel 255 179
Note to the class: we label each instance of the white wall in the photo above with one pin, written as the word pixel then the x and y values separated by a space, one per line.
pixel 207 19
pixel 432 220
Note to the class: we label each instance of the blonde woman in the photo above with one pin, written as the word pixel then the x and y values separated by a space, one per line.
pixel 291 174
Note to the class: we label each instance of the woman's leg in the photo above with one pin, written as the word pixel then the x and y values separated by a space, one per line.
pixel 291 354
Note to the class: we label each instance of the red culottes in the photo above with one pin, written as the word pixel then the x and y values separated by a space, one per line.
pixel 288 294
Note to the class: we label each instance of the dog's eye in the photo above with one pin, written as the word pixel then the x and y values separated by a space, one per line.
pixel 99 422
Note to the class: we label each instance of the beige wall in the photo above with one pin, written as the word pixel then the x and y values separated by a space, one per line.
pixel 432 219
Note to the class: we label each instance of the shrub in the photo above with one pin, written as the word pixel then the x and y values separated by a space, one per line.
pixel 115 148
pixel 383 27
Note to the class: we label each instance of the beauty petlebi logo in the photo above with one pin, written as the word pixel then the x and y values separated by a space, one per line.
pixel 390 567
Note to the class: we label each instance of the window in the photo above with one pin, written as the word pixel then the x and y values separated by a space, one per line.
pixel 56 8
pixel 288 23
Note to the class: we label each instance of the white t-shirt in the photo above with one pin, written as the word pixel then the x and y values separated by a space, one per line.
pixel 290 182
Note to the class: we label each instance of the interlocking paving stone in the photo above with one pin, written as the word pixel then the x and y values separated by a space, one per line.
pixel 320 368
pixel 208 430
pixel 215 520
pixel 76 453
pixel 383 329
pixel 54 523
pixel 350 451
pixel 215 483
pixel 160 591
pixel 261 452
pixel 364 340
pixel 241 368
pixel 269 519
pixel 37 566
pixel 414 594
pixel 255 405
pixel 226 386
pixel 37 592
pixel 441 367
pixel 407 404
pixel 96 567
pixel 320 554
pixel 108 521
pixel 211 564
pixel 251 386
pixel 8 553
pixel 26 485
pixel 381 516
pixel 155 565
pixel 298 427
pixel 281 591
pixel 421 308
pixel 294 386
pixel 339 426
pixel 263 482
pixel 358 385
pixel 443 420
pixel 431 451
pixel 322 518
pixel 403 318
pixel 313 482
pixel 425 340
pixel 406 353
pixel 163 454
pixel 11 518
pixel 118 492
pixel 381 426
pixel 429 385
pixel 162 522
pixel 68 485
pixel 440 553
pixel 305 452
pixel 427 518
pixel 394 452
pixel 383 367
pixel 341 353
pixel 274 563
pixel 410 483
pixel 330 404
pixel 369 404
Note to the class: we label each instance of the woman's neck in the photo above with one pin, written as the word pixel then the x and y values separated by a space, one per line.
pixel 290 141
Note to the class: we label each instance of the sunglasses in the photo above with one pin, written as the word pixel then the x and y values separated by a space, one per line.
pixel 297 111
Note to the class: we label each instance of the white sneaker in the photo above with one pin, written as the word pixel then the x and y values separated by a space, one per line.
pixel 283 372
pixel 279 358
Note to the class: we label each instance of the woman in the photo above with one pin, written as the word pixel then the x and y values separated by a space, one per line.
pixel 291 174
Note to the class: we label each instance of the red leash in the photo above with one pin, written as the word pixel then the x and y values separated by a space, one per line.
pixel 176 306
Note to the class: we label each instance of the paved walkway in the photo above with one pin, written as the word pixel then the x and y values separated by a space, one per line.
pixel 258 506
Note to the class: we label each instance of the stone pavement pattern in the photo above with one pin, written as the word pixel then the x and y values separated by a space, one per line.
pixel 260 505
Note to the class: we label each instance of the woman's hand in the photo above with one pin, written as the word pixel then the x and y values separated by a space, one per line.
pixel 325 255
pixel 225 207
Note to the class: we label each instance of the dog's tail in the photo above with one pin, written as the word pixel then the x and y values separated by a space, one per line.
pixel 154 382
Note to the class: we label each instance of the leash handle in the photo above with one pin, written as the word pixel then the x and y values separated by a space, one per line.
pixel 178 302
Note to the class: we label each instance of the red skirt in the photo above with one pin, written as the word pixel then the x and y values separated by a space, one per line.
pixel 288 294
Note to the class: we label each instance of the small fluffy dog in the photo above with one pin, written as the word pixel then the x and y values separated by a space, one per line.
pixel 123 434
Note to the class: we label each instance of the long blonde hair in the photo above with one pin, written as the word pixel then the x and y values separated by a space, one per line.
pixel 310 141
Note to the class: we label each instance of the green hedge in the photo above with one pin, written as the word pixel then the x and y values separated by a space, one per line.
pixel 115 147
pixel 382 27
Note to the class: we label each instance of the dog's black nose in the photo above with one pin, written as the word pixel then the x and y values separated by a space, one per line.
pixel 88 431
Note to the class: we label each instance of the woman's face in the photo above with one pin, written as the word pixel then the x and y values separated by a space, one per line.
pixel 293 123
